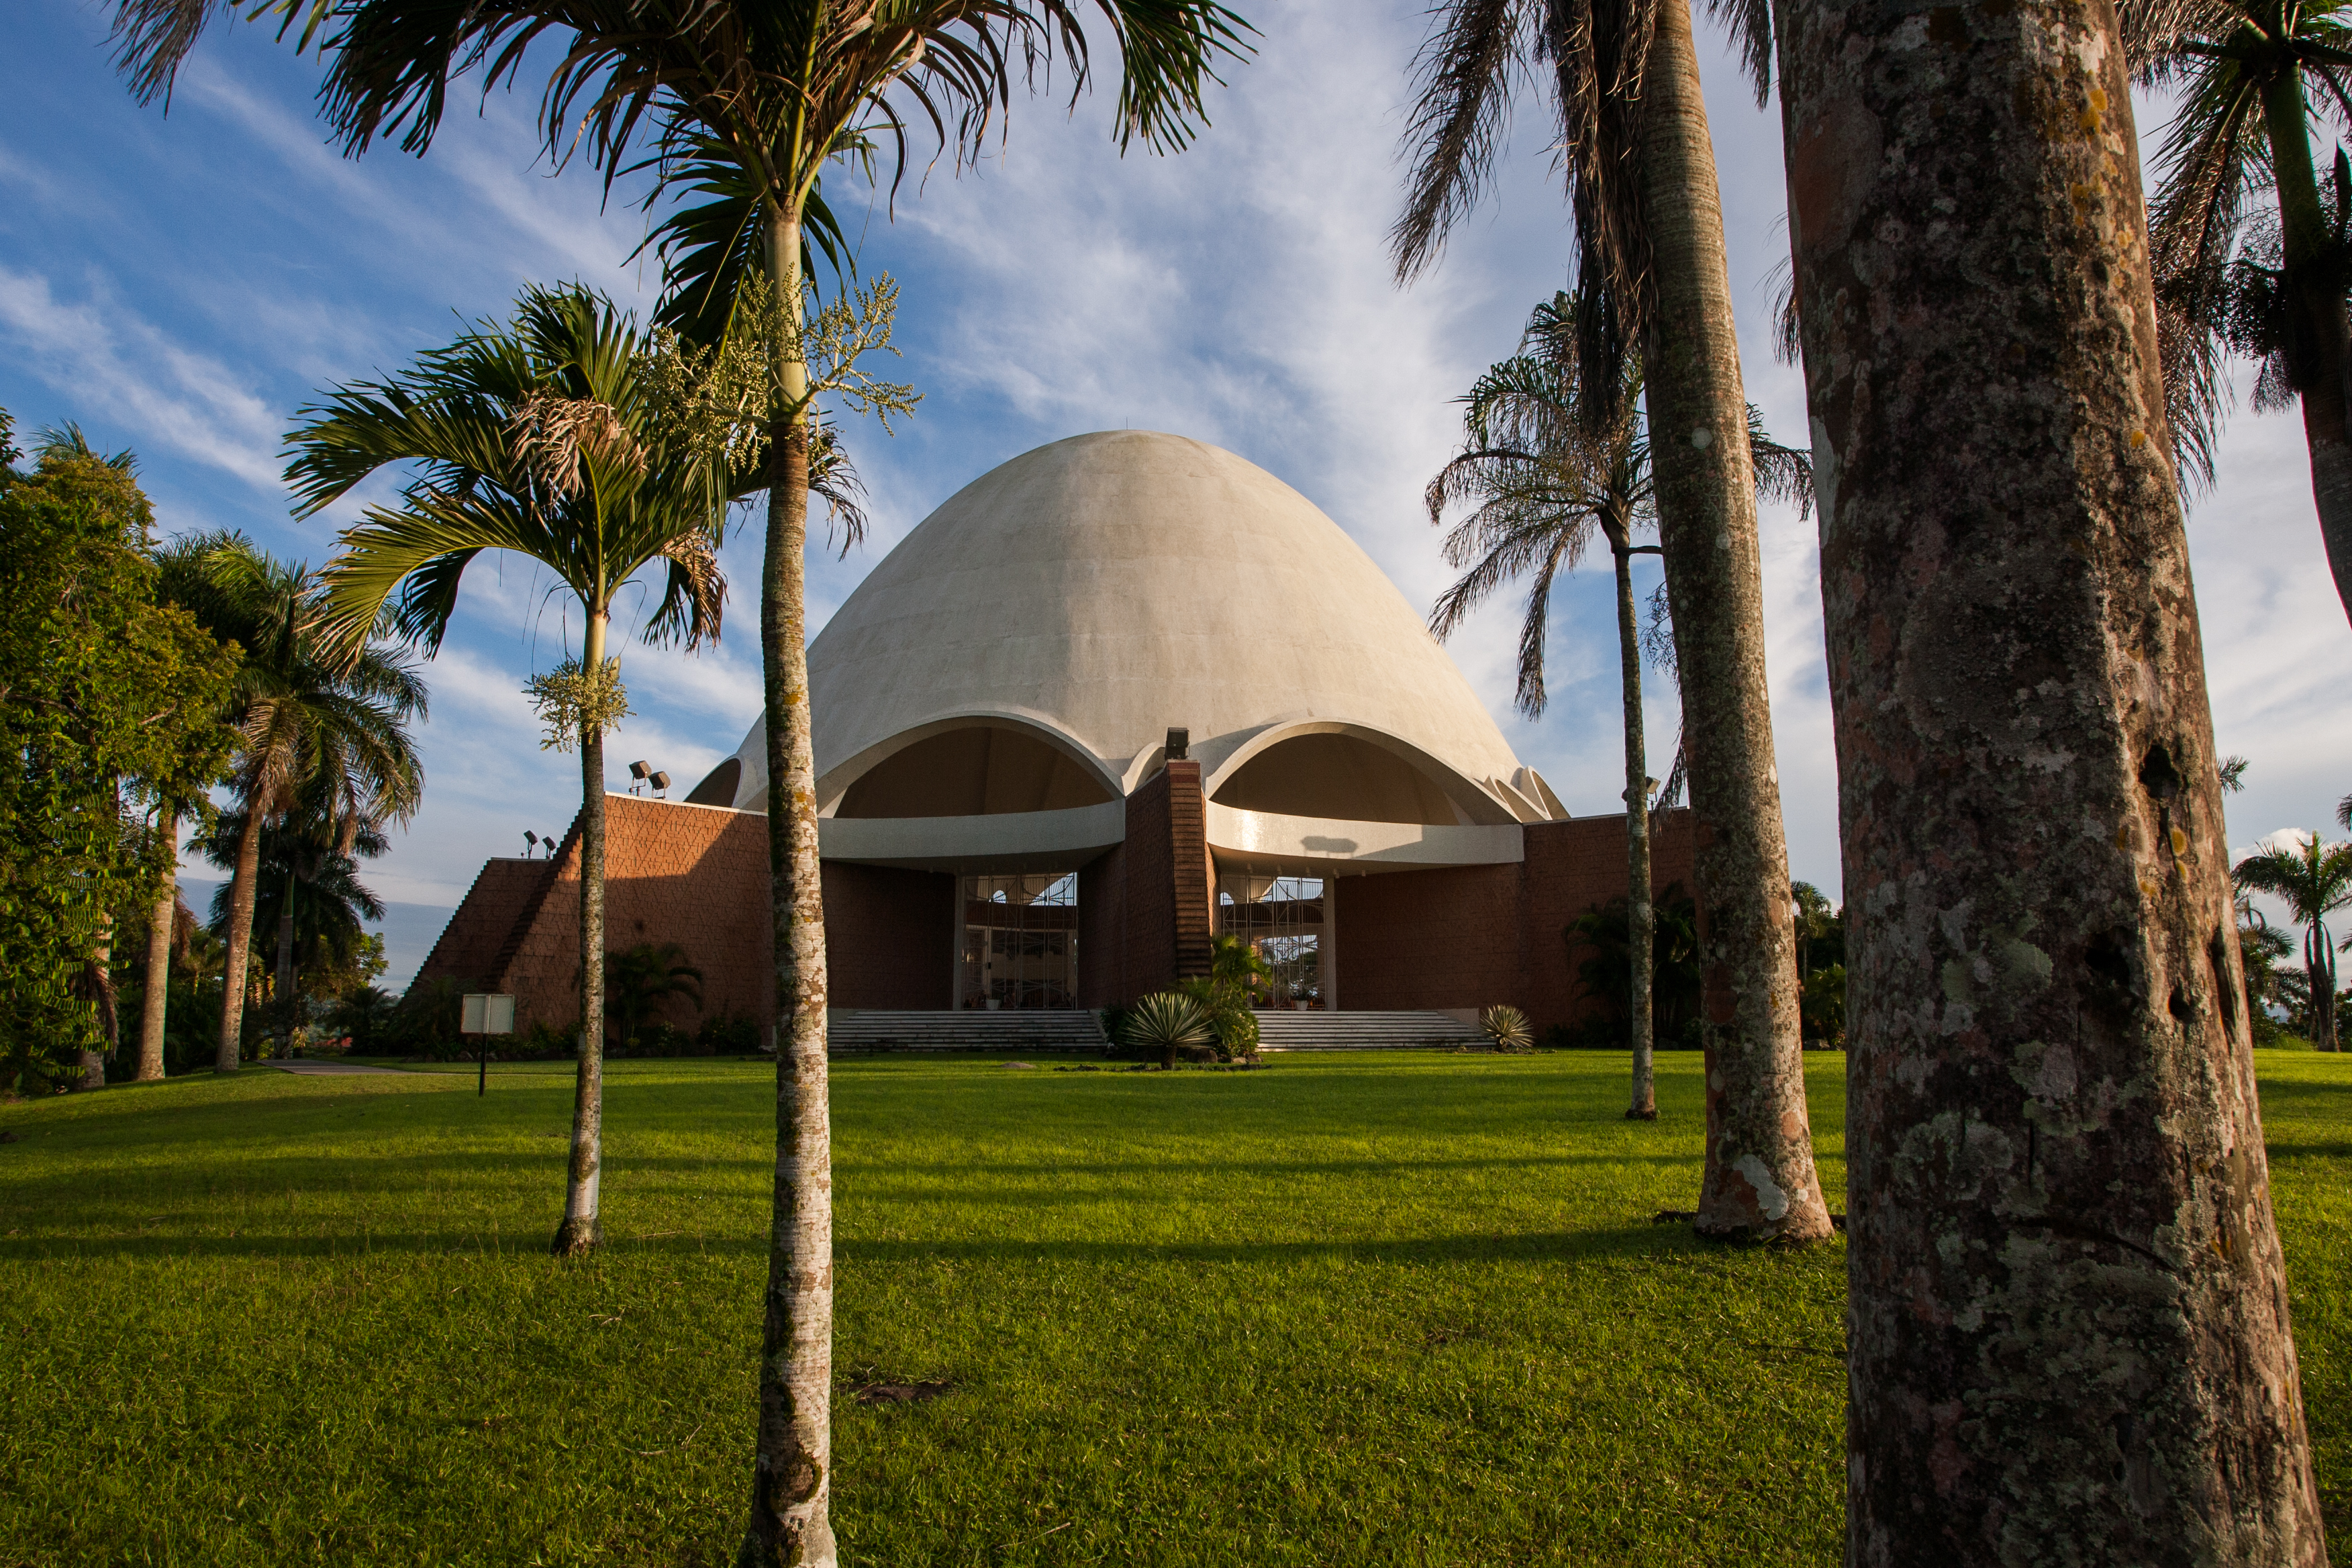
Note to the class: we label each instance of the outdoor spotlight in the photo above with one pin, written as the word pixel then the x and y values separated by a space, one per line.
pixel 660 782
pixel 639 770
pixel 1178 741
pixel 531 841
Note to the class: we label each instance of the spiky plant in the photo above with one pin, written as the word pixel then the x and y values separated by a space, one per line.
pixel 1508 1028
pixel 1168 1022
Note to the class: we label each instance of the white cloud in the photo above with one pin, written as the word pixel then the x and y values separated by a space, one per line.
pixel 111 362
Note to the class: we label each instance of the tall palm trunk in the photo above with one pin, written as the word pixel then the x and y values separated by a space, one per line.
pixel 583 1225
pixel 792 1468
pixel 2319 968
pixel 1640 920
pixel 1759 1179
pixel 152 1006
pixel 2067 1311
pixel 284 982
pixel 240 933
pixel 2327 407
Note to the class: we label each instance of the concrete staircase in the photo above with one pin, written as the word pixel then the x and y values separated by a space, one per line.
pixel 1285 1031
pixel 851 1030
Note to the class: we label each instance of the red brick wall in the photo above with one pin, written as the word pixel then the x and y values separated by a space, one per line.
pixel 1470 936
pixel 477 932
pixel 1102 928
pixel 891 936
pixel 697 875
pixel 694 875
pixel 1145 907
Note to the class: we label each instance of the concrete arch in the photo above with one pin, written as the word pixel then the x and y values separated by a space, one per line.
pixel 1473 804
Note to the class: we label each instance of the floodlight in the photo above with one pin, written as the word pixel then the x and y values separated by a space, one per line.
pixel 639 770
pixel 1179 742
pixel 660 782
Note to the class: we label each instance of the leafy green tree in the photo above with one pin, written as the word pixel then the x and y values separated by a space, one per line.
pixel 107 698
pixel 366 1015
pixel 544 435
pixel 1655 280
pixel 2314 879
pixel 1554 453
pixel 643 979
pixel 2231 277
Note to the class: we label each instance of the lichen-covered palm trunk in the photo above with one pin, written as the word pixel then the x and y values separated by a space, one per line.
pixel 239 943
pixel 1640 921
pixel 583 1225
pixel 159 955
pixel 2067 1313
pixel 1759 1180
pixel 2316 297
pixel 792 1462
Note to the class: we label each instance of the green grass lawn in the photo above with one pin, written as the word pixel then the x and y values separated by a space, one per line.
pixel 1366 1310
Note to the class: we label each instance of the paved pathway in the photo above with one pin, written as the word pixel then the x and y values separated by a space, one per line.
pixel 323 1069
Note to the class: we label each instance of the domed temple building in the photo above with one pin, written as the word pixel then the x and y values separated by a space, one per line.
pixel 1116 696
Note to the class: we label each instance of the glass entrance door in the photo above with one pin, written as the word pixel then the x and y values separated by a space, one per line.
pixel 1019 941
pixel 1282 920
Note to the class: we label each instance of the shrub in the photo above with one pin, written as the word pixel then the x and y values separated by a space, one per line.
pixel 729 1034
pixel 1508 1028
pixel 1167 1023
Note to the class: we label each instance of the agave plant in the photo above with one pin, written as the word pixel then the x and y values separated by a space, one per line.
pixel 1168 1022
pixel 1507 1027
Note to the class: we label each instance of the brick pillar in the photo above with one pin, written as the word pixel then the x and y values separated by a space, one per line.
pixel 1168 889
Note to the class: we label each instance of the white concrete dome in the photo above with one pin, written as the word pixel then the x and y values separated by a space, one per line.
pixel 1030 644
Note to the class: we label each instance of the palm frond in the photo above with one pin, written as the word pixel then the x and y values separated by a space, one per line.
pixel 1476 52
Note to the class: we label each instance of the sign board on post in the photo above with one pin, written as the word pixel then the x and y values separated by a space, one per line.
pixel 485 1014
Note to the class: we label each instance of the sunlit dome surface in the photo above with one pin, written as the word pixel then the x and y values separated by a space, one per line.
pixel 1028 646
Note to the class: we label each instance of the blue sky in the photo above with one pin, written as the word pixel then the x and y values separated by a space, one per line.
pixel 182 285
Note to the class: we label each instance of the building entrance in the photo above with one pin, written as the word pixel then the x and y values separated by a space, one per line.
pixel 1019 941
pixel 1281 918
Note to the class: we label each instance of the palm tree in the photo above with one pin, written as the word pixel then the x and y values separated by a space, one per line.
pixel 544 435
pixel 2314 880
pixel 1653 275
pixel 1554 452
pixel 324 722
pixel 2267 286
pixel 645 977
pixel 309 887
pixel 2053 1120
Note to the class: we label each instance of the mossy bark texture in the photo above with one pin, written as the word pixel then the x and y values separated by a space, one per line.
pixel 582 1225
pixel 1758 1181
pixel 792 1464
pixel 2068 1312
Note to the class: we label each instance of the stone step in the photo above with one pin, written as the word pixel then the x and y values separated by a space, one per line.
pixel 850 1030
pixel 1288 1031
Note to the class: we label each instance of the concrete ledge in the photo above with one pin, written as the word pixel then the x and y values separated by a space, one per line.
pixel 1011 841
pixel 1261 840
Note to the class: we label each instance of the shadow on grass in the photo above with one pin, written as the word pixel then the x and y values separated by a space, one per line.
pixel 1641 1242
